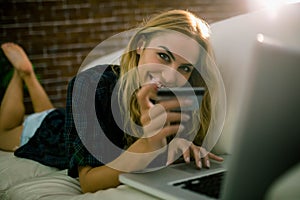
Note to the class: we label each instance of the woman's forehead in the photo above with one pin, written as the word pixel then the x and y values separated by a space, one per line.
pixel 177 43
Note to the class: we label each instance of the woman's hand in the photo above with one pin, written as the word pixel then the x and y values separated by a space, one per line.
pixel 180 146
pixel 157 120
pixel 157 124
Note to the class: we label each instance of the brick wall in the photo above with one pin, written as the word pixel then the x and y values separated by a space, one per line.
pixel 58 34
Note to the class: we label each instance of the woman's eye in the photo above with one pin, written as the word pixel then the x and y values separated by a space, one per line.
pixel 164 56
pixel 186 69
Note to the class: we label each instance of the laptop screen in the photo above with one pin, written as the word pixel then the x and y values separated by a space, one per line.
pixel 267 131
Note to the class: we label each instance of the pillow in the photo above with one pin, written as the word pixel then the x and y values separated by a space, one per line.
pixel 60 186
pixel 57 185
pixel 14 170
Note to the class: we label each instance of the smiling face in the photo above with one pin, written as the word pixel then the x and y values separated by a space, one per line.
pixel 169 59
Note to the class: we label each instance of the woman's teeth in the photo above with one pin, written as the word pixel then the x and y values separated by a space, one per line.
pixel 157 82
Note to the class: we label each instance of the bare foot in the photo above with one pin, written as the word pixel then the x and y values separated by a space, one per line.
pixel 18 58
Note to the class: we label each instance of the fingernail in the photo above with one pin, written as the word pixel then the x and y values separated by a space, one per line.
pixel 200 164
pixel 208 163
pixel 187 159
pixel 187 101
pixel 181 127
pixel 185 117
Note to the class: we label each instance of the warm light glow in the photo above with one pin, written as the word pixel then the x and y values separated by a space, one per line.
pixel 205 31
pixel 272 5
pixel 260 37
pixel 292 1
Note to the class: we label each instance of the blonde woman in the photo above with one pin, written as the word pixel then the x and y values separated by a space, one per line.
pixel 113 124
pixel 165 51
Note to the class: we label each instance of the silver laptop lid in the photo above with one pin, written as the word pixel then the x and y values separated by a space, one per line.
pixel 267 131
pixel 267 134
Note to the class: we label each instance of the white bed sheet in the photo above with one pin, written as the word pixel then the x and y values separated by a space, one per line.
pixel 28 180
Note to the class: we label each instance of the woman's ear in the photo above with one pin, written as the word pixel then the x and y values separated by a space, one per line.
pixel 140 45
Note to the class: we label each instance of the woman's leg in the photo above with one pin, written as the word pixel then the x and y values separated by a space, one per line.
pixel 22 64
pixel 12 108
pixel 12 112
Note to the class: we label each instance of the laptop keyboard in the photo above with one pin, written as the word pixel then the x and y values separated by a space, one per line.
pixel 208 185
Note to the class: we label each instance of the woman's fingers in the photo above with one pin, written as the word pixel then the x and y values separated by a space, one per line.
pixel 179 147
pixel 203 154
pixel 186 155
pixel 197 156
pixel 159 113
pixel 202 157
pixel 166 124
pixel 215 157
pixel 150 111
pixel 158 140
pixel 144 95
pixel 168 131
pixel 176 103
pixel 159 120
pixel 208 156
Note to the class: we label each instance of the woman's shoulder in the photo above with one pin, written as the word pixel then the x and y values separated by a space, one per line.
pixel 106 70
pixel 99 73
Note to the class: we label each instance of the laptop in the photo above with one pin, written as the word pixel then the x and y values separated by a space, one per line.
pixel 267 136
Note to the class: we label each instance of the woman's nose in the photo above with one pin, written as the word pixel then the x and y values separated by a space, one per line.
pixel 169 76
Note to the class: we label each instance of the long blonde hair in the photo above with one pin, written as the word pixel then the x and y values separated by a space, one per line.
pixel 176 20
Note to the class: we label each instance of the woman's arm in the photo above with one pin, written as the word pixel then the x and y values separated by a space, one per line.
pixel 137 157
pixel 157 125
pixel 97 178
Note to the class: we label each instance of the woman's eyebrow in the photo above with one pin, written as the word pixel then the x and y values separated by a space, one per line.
pixel 188 64
pixel 169 52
